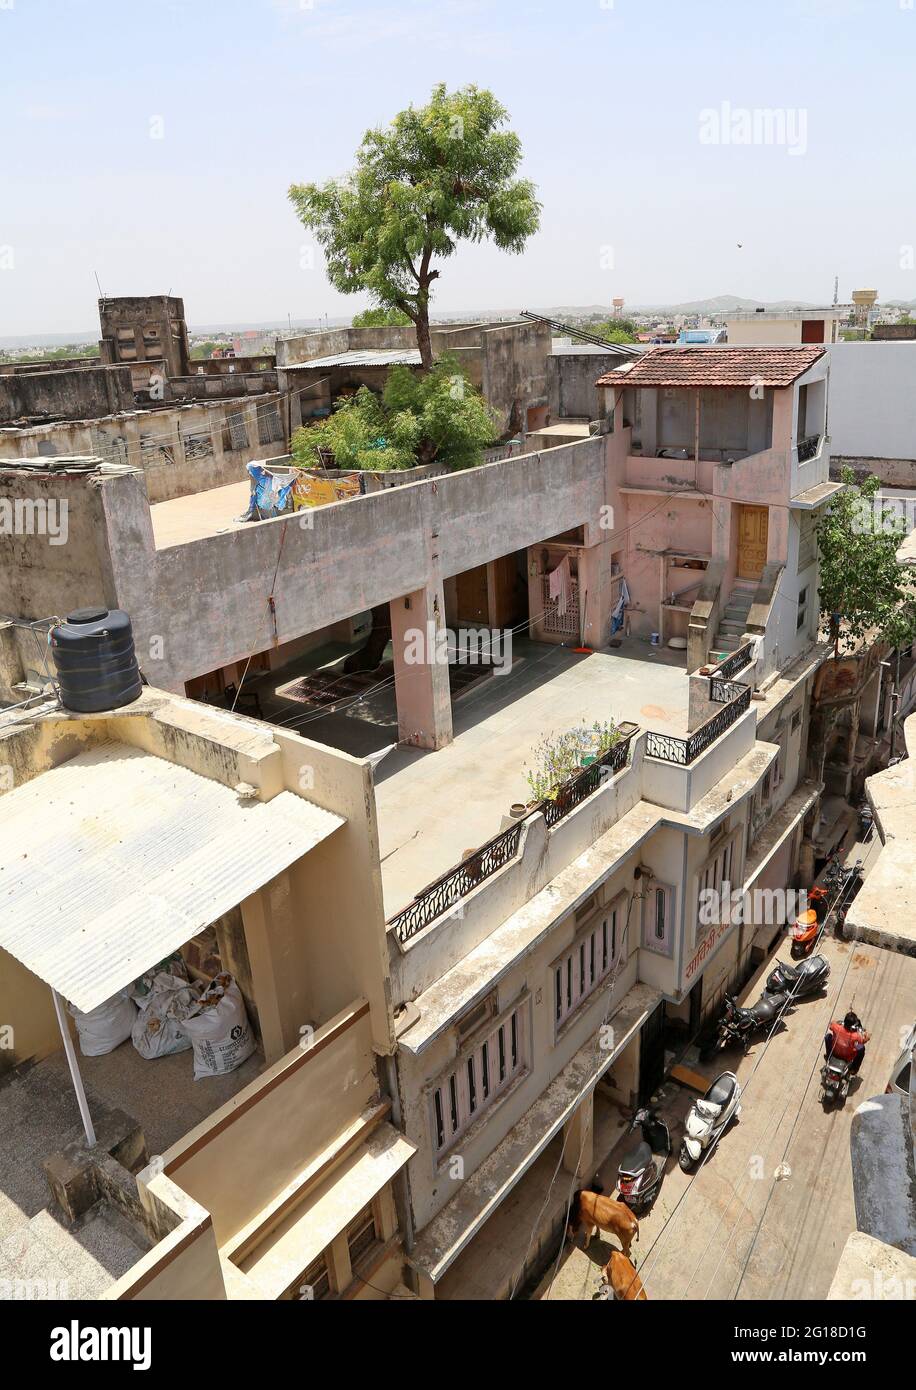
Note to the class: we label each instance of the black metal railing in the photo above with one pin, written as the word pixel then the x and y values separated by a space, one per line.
pixel 724 691
pixel 446 892
pixel 578 788
pixel 807 448
pixel 736 662
pixel 686 750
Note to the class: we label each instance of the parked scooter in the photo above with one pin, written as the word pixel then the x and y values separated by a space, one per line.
pixel 805 978
pixel 804 930
pixel 639 1177
pixel 709 1117
pixel 738 1024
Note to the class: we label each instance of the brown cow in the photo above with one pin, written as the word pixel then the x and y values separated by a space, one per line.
pixel 623 1279
pixel 592 1212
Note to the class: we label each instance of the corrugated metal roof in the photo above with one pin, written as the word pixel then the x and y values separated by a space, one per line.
pixel 116 858
pixel 374 357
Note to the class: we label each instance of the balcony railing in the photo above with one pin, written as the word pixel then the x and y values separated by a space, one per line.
pixel 577 789
pixel 807 448
pixel 724 691
pixel 446 892
pixel 738 660
pixel 686 750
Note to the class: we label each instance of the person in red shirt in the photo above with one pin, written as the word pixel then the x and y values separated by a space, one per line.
pixel 846 1041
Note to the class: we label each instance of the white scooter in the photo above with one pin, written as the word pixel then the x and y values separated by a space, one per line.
pixel 709 1117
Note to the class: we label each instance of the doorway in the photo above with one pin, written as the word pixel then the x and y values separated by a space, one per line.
pixel 652 1054
pixel 753 524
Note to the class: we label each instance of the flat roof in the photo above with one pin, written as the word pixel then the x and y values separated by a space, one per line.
pixel 114 859
pixel 699 366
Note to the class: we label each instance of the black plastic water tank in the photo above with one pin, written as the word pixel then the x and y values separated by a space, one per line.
pixel 95 659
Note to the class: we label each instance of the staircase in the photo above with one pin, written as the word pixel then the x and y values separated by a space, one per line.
pixel 733 623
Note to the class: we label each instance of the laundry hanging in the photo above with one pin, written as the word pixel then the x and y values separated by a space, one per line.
pixel 559 585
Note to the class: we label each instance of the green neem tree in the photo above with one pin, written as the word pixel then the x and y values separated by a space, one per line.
pixel 865 592
pixel 439 174
pixel 434 417
pixel 381 318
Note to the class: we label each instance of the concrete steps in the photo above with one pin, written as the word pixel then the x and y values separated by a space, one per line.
pixel 733 622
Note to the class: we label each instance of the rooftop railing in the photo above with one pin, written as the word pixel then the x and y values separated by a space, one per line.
pixel 446 892
pixel 736 662
pixel 686 750
pixel 807 448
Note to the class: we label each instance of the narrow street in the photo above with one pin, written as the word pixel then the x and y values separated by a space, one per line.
pixel 732 1231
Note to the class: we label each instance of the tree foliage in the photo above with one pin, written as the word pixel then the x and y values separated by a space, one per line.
pixel 438 175
pixel 865 592
pixel 614 330
pixel 381 318
pixel 434 417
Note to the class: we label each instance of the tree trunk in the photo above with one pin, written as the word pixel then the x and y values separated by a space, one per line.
pixel 424 342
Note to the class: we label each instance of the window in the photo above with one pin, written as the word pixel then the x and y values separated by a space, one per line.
pixel 796 720
pixel 362 1234
pixel 801 616
pixel 237 431
pixel 589 960
pixel 270 428
pixel 481 1076
pixel 316 1281
pixel 715 872
pixel 658 919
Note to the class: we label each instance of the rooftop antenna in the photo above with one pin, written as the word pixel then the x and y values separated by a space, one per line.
pixel 836 290
pixel 101 295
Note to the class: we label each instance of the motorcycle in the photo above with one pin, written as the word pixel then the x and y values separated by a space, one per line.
pixel 708 1119
pixel 738 1024
pixel 641 1170
pixel 866 820
pixel 836 1075
pixel 805 978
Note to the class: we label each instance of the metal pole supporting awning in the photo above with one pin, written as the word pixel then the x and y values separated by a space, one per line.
pixel 73 1064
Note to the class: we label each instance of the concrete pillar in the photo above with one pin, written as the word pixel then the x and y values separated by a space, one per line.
pixel 598 594
pixel 578 1134
pixel 277 972
pixel 420 649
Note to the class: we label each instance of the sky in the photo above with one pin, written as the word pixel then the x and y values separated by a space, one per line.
pixel 681 148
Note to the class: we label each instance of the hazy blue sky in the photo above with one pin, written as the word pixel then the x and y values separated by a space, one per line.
pixel 250 95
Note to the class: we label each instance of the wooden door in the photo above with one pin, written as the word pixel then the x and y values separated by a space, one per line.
pixel 752 541
pixel 472 598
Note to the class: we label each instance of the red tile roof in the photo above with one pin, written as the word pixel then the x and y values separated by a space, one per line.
pixel 697 366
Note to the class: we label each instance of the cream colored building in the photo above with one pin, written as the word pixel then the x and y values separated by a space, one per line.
pixel 757 328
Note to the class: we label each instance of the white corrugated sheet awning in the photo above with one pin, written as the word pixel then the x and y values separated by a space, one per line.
pixel 114 859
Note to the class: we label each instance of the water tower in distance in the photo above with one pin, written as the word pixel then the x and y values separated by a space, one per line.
pixel 865 301
pixel 618 307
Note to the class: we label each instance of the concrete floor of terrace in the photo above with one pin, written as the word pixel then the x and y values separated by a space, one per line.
pixel 497 723
pixel 200 514
pixel 433 807
pixel 39 1117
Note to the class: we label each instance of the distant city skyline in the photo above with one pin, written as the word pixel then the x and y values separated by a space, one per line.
pixel 681 152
